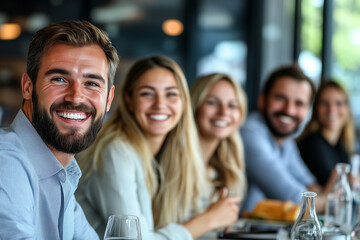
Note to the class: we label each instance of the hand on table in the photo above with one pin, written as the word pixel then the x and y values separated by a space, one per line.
pixel 220 214
pixel 225 211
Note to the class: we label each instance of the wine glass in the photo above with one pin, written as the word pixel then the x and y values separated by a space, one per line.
pixel 123 227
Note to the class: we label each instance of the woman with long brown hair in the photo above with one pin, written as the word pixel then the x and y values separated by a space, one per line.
pixel 329 137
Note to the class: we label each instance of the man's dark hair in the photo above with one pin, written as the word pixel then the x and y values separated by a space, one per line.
pixel 73 33
pixel 292 71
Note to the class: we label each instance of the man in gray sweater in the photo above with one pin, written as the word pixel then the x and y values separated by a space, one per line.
pixel 274 167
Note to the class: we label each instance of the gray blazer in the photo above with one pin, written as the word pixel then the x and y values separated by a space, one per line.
pixel 121 189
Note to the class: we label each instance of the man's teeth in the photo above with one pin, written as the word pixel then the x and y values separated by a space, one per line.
pixel 75 116
pixel 159 117
pixel 220 123
pixel 286 119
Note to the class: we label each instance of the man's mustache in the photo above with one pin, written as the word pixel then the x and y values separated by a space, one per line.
pixel 70 106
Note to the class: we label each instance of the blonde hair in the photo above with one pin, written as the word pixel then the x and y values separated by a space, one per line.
pixel 347 136
pixel 228 159
pixel 174 179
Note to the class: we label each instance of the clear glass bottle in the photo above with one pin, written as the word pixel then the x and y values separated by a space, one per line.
pixel 355 232
pixel 338 207
pixel 355 189
pixel 307 225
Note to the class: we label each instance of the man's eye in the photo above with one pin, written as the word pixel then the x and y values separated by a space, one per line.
pixel 280 98
pixel 92 84
pixel 58 79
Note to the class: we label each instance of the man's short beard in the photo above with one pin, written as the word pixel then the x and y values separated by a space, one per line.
pixel 274 131
pixel 272 128
pixel 71 143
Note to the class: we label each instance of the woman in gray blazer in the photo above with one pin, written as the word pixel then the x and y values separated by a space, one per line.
pixel 146 159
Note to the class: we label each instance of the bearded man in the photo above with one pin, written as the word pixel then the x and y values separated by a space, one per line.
pixel 67 88
pixel 274 166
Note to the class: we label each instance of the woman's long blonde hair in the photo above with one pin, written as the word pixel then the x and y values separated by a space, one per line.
pixel 347 136
pixel 228 159
pixel 174 179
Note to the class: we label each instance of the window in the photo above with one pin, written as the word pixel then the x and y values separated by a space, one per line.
pixel 311 38
pixel 345 65
pixel 330 46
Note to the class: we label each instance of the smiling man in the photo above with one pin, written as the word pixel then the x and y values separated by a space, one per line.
pixel 67 88
pixel 274 167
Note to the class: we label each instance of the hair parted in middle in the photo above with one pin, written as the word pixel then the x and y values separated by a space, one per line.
pixel 228 159
pixel 179 167
pixel 347 136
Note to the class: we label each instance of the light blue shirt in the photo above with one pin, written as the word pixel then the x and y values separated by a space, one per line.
pixel 36 192
pixel 273 171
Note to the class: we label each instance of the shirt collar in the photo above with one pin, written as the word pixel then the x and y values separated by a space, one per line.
pixel 74 172
pixel 44 161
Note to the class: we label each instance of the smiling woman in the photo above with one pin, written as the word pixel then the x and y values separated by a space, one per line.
pixel 156 105
pixel 220 107
pixel 329 137
pixel 146 157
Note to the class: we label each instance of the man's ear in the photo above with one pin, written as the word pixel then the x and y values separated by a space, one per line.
pixel 110 98
pixel 128 102
pixel 27 86
pixel 261 102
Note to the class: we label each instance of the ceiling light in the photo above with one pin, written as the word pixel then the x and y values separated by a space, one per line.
pixel 172 27
pixel 9 31
pixel 115 13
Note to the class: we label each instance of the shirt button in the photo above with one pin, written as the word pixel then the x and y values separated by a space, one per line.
pixel 62 176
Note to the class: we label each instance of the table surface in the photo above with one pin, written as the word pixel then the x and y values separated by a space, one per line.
pixel 282 235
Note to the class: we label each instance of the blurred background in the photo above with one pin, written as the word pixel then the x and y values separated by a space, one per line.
pixel 244 38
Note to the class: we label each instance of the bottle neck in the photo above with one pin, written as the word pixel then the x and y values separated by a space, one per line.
pixel 342 169
pixel 343 182
pixel 343 179
pixel 308 206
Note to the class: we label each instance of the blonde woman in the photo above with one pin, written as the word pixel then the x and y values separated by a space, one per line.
pixel 145 161
pixel 329 137
pixel 220 107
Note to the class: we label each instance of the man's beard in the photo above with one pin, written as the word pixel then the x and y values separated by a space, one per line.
pixel 72 142
pixel 276 132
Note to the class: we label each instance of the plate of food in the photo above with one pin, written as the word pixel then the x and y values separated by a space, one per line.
pixel 268 219
pixel 274 210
